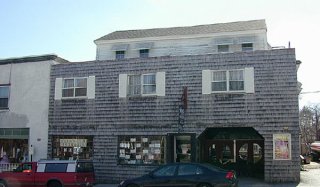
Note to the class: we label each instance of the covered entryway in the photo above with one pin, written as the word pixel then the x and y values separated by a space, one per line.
pixel 237 148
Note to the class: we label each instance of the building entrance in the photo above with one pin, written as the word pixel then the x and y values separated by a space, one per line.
pixel 240 149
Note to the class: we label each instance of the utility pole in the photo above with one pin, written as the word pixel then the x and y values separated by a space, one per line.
pixel 317 121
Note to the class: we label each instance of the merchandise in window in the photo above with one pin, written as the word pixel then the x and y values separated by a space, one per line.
pixel 4 97
pixel 74 87
pixel 72 147
pixel 141 149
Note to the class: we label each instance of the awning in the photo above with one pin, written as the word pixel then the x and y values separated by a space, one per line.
pixel 140 46
pixel 231 133
pixel 120 47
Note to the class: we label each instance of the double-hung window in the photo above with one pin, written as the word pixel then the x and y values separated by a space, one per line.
pixel 227 81
pixel 247 46
pixel 74 87
pixel 4 97
pixel 144 53
pixel 144 84
pixel 120 55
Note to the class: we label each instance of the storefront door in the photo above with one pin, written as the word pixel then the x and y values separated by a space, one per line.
pixel 181 147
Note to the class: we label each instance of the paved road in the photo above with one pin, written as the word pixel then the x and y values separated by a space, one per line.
pixel 308 178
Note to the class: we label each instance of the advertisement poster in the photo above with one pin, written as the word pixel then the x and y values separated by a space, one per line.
pixel 282 146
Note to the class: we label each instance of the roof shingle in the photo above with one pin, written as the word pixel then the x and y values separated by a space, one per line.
pixel 191 30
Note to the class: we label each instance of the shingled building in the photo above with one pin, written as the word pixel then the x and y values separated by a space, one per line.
pixel 210 93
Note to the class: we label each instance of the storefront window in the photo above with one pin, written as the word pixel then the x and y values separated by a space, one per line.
pixel 72 147
pixel 141 149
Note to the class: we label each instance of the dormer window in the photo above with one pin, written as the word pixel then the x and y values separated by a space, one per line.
pixel 144 53
pixel 120 54
pixel 247 46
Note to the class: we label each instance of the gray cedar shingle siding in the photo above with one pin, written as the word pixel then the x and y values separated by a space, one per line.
pixel 273 106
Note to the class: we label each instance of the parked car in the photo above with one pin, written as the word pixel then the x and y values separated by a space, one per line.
pixel 185 174
pixel 50 173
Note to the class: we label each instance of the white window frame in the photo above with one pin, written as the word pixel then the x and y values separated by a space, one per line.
pixel 144 53
pixel 74 87
pixel 120 56
pixel 8 86
pixel 142 84
pixel 246 48
pixel 227 81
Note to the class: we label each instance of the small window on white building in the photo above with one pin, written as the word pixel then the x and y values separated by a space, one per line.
pixel 144 53
pixel 247 46
pixel 142 84
pixel 4 97
pixel 120 55
pixel 223 48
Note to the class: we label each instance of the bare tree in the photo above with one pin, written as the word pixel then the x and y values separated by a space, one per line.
pixel 309 124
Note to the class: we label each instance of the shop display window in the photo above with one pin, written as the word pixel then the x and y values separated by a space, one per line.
pixel 72 147
pixel 141 149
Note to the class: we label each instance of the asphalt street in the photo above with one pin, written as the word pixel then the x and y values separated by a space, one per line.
pixel 308 178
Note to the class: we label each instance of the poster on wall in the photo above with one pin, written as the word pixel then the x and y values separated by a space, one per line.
pixel 281 146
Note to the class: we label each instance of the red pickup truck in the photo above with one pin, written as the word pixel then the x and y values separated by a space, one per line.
pixel 50 173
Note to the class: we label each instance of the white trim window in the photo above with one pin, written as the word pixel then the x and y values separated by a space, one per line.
pixel 4 97
pixel 144 53
pixel 227 81
pixel 223 48
pixel 221 81
pixel 247 46
pixel 79 87
pixel 142 84
pixel 74 87
pixel 120 54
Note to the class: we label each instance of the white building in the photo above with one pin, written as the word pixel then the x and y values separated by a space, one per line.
pixel 180 41
pixel 24 100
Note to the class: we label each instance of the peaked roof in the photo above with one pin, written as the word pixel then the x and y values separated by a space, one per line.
pixel 191 30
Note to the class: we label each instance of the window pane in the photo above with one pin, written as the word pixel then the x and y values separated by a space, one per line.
pixel 149 79
pixel 219 76
pixel 67 92
pixel 3 103
pixel 54 167
pixel 165 171
pixel 149 89
pixel 68 83
pixel 134 85
pixel 81 82
pixel 247 47
pixel 219 86
pixel 120 54
pixel 4 92
pixel 236 75
pixel 144 53
pixel 187 170
pixel 81 92
pixel 236 85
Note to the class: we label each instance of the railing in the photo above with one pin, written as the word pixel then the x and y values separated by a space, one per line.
pixel 8 167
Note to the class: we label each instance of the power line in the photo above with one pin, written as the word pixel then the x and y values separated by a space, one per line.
pixel 310 92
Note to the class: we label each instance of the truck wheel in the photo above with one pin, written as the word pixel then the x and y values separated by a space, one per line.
pixel 54 184
pixel 3 184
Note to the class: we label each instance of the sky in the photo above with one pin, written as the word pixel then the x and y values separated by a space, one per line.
pixel 68 28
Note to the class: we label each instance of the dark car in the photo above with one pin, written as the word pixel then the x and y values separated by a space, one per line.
pixel 185 174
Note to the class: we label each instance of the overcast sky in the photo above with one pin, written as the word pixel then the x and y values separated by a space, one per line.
pixel 68 27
